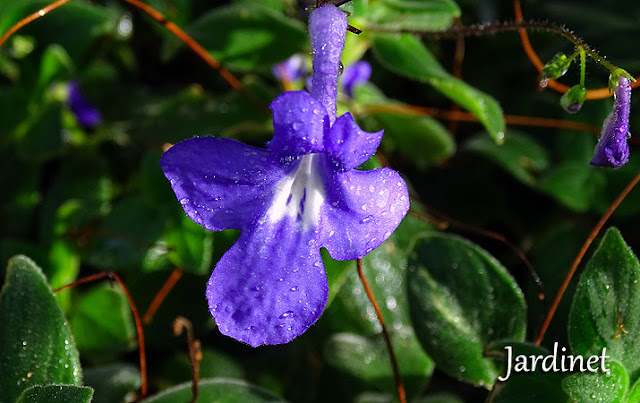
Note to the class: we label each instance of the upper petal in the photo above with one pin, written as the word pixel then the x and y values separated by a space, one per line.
pixel 222 183
pixel 270 286
pixel 362 210
pixel 348 145
pixel 299 124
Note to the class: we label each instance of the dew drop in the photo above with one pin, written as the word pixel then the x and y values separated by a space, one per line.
pixel 288 314
pixel 294 288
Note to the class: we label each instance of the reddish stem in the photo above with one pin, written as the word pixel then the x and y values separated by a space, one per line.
pixel 161 295
pixel 394 362
pixel 583 251
pixel 134 311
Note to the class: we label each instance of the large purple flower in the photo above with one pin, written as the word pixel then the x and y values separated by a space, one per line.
pixel 298 195
pixel 613 150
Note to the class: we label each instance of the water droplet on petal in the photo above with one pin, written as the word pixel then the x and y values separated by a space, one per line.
pixel 288 314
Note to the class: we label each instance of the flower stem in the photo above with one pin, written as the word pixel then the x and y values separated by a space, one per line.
pixel 161 295
pixel 394 362
pixel 581 253
pixel 583 66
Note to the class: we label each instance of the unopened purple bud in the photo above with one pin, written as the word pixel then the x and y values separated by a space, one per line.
pixel 355 75
pixel 291 69
pixel 86 114
pixel 612 149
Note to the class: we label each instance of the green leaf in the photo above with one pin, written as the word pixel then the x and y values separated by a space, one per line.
pixel 112 382
pixel 36 344
pixel 520 155
pixel 190 246
pixel 461 299
pixel 634 393
pixel 219 390
pixel 599 387
pixel 101 320
pixel 56 394
pixel 427 15
pixel 608 290
pixel 367 358
pixel 39 137
pixel 247 37
pixel 73 26
pixel 56 65
pixel 125 235
pixel 406 55
pixel 574 184
pixel 420 138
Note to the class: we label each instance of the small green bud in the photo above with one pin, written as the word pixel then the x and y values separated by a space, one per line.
pixel 573 99
pixel 557 67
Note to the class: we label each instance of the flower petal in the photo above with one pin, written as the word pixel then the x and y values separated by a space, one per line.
pixel 270 286
pixel 299 124
pixel 348 145
pixel 327 31
pixel 362 210
pixel 222 183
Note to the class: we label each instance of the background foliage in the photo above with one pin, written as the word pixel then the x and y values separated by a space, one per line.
pixel 79 201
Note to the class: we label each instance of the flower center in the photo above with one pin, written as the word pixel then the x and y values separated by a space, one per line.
pixel 299 195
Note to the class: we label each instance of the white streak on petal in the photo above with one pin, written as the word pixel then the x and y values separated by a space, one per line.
pixel 299 195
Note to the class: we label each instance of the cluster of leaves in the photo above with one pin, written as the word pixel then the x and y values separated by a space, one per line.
pixel 81 201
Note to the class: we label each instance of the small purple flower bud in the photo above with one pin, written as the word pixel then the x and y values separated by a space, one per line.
pixel 86 114
pixel 291 69
pixel 612 150
pixel 355 75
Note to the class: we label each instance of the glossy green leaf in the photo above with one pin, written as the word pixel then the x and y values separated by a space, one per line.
pixel 112 382
pixel 519 155
pixel 246 37
pixel 421 139
pixel 56 394
pixel 608 290
pixel 220 390
pixel 461 299
pixel 36 344
pixel 367 358
pixel 587 387
pixel 574 185
pixel 406 55
pixel 427 15
pixel 101 320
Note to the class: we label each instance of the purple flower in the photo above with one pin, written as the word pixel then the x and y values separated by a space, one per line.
pixel 292 69
pixel 355 75
pixel 612 149
pixel 86 114
pixel 298 195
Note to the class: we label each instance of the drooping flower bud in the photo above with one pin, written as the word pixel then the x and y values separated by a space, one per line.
pixel 612 150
